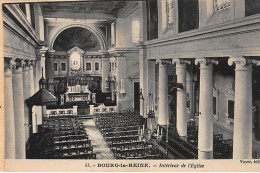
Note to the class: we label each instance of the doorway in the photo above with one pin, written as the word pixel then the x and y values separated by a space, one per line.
pixel 137 97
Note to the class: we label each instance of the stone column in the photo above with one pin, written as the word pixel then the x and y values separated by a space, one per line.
pixel 104 69
pixel 163 118
pixel 19 113
pixel 120 73
pixel 50 63
pixel 181 116
pixel 26 95
pixel 35 83
pixel 143 58
pixel 43 66
pixel 151 89
pixel 143 80
pixel 31 79
pixel 191 92
pixel 34 109
pixel 156 94
pixel 38 74
pixel 49 73
pixel 9 116
pixel 31 93
pixel 151 76
pixel 205 136
pixel 242 140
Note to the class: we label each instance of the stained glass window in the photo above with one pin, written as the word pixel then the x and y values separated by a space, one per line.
pixel 221 5
pixel 169 10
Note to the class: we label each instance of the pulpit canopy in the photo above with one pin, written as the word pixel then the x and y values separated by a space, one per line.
pixel 43 96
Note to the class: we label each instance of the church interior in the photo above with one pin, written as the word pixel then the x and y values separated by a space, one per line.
pixel 144 79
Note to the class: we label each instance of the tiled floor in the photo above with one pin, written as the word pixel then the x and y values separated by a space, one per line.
pixel 99 144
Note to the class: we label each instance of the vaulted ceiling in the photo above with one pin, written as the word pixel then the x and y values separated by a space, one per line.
pixel 85 9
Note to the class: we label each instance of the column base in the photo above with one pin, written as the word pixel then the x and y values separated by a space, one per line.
pixel 184 138
pixel 205 154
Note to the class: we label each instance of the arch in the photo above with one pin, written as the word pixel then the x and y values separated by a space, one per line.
pixel 59 29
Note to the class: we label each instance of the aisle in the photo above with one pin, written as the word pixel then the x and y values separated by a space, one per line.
pixel 99 144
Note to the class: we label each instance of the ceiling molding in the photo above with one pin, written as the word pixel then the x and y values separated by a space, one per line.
pixel 76 16
pixel 85 9
pixel 128 10
pixel 58 29
pixel 12 27
pixel 21 18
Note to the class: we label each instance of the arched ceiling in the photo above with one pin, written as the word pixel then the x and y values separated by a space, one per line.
pixel 107 10
pixel 76 36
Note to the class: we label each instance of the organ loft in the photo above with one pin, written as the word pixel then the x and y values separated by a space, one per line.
pixel 151 79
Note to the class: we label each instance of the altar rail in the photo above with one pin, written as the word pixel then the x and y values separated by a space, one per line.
pixel 102 109
pixel 60 112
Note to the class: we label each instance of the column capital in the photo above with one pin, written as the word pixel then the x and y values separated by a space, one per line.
pixel 181 61
pixel 243 61
pixel 165 61
pixel 19 63
pixel 32 62
pixel 25 64
pixel 41 51
pixel 50 53
pixel 151 61
pixel 206 61
pixel 10 63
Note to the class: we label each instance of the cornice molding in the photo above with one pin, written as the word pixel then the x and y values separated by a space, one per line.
pixel 247 24
pixel 125 49
pixel 12 27
pixel 16 12
pixel 205 61
pixel 16 53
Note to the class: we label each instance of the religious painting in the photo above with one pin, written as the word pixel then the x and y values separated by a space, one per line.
pixel 76 36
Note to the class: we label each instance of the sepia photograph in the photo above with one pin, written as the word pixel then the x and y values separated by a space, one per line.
pixel 130 85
